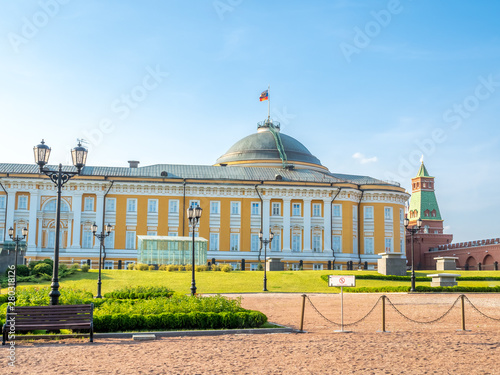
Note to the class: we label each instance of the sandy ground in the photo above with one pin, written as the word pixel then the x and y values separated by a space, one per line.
pixel 409 348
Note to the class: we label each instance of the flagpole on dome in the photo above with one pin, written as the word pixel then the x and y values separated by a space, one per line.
pixel 268 103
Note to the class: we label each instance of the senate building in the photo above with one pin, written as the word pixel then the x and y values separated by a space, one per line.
pixel 267 181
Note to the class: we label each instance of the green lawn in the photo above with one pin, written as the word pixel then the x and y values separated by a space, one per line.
pixel 241 282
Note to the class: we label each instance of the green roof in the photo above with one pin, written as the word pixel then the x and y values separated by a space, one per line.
pixel 425 200
pixel 422 172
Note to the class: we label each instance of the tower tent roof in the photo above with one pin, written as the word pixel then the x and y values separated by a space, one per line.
pixel 422 172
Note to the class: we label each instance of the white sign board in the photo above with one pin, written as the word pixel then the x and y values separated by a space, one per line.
pixel 341 280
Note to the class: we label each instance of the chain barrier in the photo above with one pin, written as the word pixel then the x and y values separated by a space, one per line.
pixel 423 322
pixel 345 324
pixel 480 312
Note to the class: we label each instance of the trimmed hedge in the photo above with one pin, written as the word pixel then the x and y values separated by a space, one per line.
pixel 178 321
pixel 418 278
pixel 425 289
pixel 140 292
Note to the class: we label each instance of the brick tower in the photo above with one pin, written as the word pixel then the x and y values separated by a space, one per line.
pixel 423 204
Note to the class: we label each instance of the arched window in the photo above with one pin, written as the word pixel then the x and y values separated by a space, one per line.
pixel 50 206
pixel 427 213
pixel 433 214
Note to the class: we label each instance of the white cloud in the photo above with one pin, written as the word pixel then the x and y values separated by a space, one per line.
pixel 362 159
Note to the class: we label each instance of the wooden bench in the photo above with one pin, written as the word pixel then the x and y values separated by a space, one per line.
pixel 30 318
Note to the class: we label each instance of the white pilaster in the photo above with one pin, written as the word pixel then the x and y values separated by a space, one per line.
pixel 11 205
pixel 327 220
pixel 286 224
pixel 77 220
pixel 99 216
pixel 307 225
pixel 34 204
pixel 265 214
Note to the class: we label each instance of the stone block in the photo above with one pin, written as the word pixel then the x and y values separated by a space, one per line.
pixel 446 263
pixel 274 264
pixel 392 264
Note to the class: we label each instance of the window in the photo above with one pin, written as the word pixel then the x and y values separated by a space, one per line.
pixel 426 229
pixel 401 215
pixel 173 206
pixel 152 233
pixel 255 208
pixel 296 242
pixel 126 263
pixel 337 210
pixel 254 242
pixel 354 213
pixel 131 205
pixel 111 204
pixel 369 213
pixel 89 204
pixel 51 240
pixel 194 204
pixel 388 245
pixel 214 241
pixel 2 202
pixel 109 242
pixel 172 234
pixel 316 243
pixel 235 266
pixel 1 235
pixel 402 245
pixel 276 244
pixel 254 266
pixel 130 240
pixel 50 206
pixel 316 209
pixel 235 208
pixel 295 267
pixel 296 209
pixel 388 213
pixel 234 241
pixel 22 202
pixel 369 245
pixel 153 206
pixel 276 209
pixel 87 239
pixel 336 243
pixel 317 267
pixel 215 207
pixel 108 264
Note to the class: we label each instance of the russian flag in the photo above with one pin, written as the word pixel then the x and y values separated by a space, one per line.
pixel 264 96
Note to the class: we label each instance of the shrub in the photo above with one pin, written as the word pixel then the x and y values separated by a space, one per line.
pixel 140 292
pixel 41 268
pixel 260 267
pixel 85 268
pixel 201 268
pixel 163 267
pixel 187 267
pixel 50 262
pixel 130 266
pixel 215 267
pixel 152 268
pixel 74 267
pixel 141 267
pixel 172 267
pixel 226 268
pixel 21 270
pixel 32 264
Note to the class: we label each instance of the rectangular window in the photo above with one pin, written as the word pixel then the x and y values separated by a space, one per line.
pixel 22 202
pixel 317 267
pixel 172 234
pixel 369 245
pixel 194 204
pixel 126 263
pixel 152 233
pixel 215 207
pixel 296 209
pixel 276 244
pixel 316 210
pixel 388 245
pixel 255 208
pixel 2 202
pixel 388 213
pixel 1 235
pixel 235 208
pixel 214 241
pixel 131 205
pixel 276 209
pixel 235 266
pixel 86 239
pixel 153 206
pixel 337 210
pixel 234 242
pixel 109 242
pixel 111 204
pixel 402 245
pixel 295 267
pixel 130 240
pixel 173 206
pixel 401 215
pixel 254 266
pixel 336 243
pixel 255 242
pixel 296 242
pixel 316 243
pixel 89 204
pixel 108 264
pixel 369 213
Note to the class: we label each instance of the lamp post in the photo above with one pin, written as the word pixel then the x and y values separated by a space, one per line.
pixel 17 239
pixel 412 231
pixel 100 236
pixel 194 215
pixel 59 178
pixel 265 242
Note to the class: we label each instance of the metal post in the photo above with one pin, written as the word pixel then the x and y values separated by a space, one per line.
pixel 302 316
pixel 99 282
pixel 412 289
pixel 342 308
pixel 383 313
pixel 193 282
pixel 463 311
pixel 265 265
pixel 54 286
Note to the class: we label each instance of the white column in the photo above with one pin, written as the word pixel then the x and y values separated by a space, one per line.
pixel 77 220
pixel 99 216
pixel 286 224
pixel 34 204
pixel 327 225
pixel 307 225
pixel 265 215
pixel 11 205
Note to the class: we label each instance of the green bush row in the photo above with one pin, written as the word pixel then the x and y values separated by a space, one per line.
pixel 424 289
pixel 140 292
pixel 179 321
pixel 418 278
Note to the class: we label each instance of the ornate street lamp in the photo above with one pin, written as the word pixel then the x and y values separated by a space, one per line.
pixel 100 236
pixel 265 242
pixel 17 239
pixel 79 156
pixel 194 215
pixel 412 231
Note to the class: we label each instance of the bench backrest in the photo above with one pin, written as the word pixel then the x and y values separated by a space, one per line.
pixel 52 314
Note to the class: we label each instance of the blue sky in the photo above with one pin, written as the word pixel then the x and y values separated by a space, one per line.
pixel 366 86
